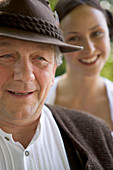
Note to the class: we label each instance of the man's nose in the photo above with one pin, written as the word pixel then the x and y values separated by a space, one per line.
pixel 24 71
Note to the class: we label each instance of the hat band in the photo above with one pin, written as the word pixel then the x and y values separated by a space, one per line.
pixel 30 24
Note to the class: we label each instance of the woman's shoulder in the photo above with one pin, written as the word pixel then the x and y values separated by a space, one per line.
pixel 109 86
pixel 107 82
pixel 109 91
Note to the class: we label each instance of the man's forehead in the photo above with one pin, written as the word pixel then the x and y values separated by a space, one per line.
pixel 7 41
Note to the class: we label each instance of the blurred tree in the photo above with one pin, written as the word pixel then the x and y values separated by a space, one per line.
pixel 52 3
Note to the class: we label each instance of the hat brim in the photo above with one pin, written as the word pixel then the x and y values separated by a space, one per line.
pixel 40 38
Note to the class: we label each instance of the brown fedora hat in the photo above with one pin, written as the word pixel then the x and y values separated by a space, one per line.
pixel 31 20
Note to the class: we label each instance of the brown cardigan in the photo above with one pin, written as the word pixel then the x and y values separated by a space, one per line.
pixel 85 137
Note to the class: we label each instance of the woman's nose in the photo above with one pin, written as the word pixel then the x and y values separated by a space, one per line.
pixel 24 71
pixel 89 46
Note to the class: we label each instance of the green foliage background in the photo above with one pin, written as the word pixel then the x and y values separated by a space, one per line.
pixel 107 70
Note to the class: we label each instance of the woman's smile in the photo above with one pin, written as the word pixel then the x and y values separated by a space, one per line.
pixel 89 61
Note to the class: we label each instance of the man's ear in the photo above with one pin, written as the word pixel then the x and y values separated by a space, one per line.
pixel 54 70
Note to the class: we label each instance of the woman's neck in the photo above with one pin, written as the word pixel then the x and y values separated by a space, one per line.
pixel 81 84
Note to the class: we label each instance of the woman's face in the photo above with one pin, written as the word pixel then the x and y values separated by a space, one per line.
pixel 87 27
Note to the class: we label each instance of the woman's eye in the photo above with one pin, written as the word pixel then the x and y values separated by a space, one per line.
pixel 97 34
pixel 75 38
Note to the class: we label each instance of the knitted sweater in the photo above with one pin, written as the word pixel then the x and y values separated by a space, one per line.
pixel 85 137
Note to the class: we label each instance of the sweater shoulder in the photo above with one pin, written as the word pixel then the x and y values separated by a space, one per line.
pixel 78 122
pixel 75 116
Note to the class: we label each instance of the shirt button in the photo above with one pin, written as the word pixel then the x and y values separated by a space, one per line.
pixel 6 138
pixel 26 153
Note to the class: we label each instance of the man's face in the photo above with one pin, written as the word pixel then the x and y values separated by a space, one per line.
pixel 26 74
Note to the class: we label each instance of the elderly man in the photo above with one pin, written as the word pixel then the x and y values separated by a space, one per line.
pixel 34 136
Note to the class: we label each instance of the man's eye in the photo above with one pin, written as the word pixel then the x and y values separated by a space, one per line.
pixel 40 58
pixel 6 56
pixel 7 59
pixel 39 61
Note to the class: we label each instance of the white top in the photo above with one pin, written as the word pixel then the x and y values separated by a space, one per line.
pixel 52 92
pixel 109 88
pixel 45 152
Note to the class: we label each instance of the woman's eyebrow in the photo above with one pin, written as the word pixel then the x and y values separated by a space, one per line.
pixel 96 26
pixel 74 32
pixel 71 32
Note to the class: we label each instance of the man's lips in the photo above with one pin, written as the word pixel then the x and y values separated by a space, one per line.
pixel 20 93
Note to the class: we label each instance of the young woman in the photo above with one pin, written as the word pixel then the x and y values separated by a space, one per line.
pixel 85 23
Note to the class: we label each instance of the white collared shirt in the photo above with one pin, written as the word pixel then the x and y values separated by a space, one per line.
pixel 45 152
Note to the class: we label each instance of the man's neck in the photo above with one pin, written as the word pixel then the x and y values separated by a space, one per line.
pixel 23 133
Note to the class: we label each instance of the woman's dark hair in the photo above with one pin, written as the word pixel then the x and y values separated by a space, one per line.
pixel 63 7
